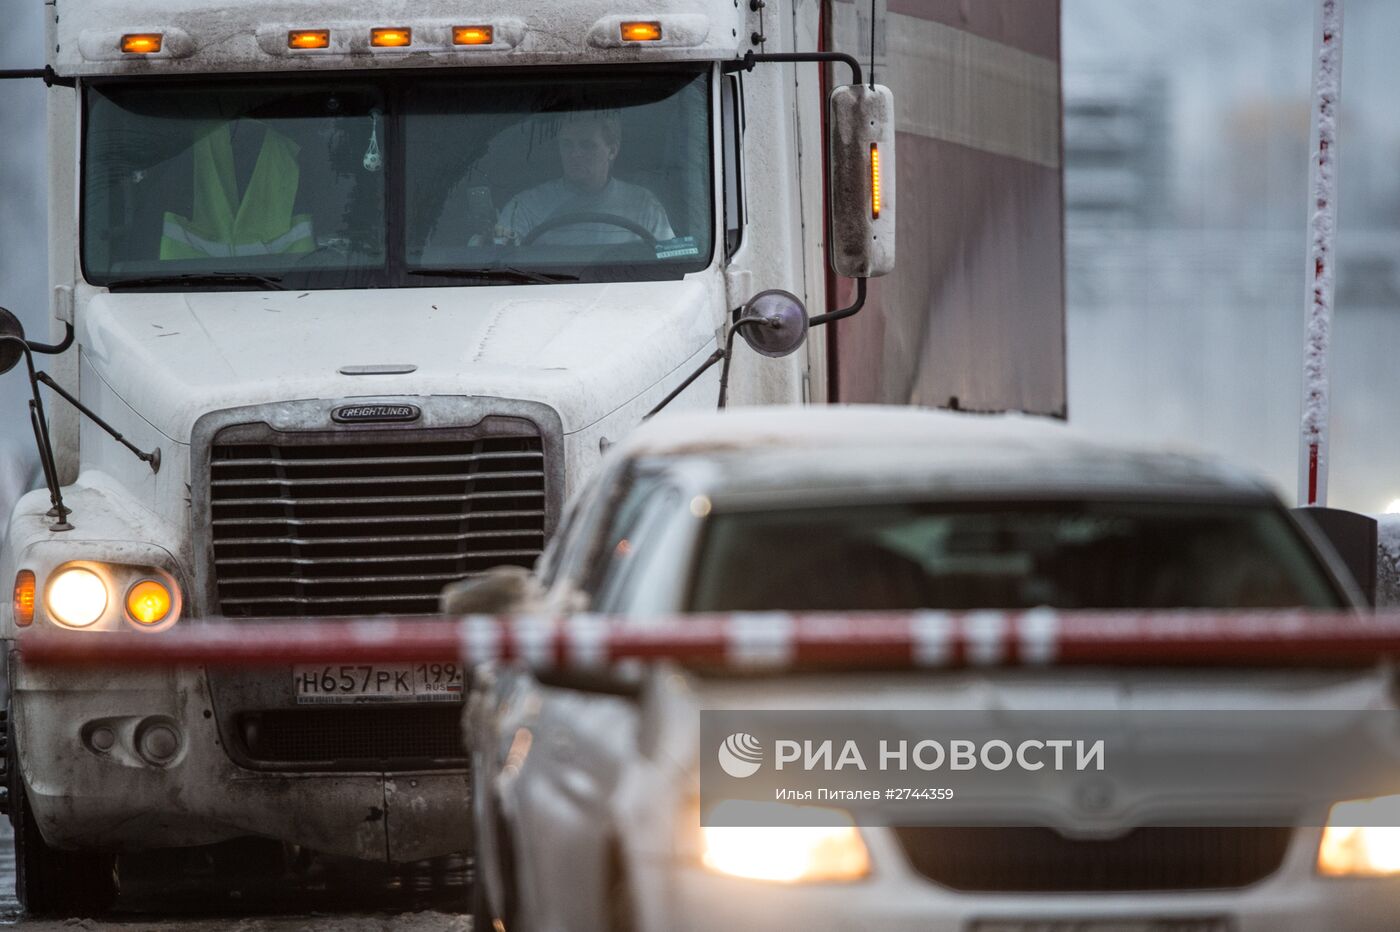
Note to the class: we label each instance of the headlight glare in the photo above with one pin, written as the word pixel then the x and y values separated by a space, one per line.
pixel 787 853
pixel 1351 848
pixel 76 597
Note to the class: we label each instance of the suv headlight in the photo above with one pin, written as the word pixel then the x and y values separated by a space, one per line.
pixel 786 853
pixel 1350 848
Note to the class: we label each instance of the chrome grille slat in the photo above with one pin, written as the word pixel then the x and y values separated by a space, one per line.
pixel 382 500
pixel 390 538
pixel 379 460
pixel 322 600
pixel 364 580
pixel 368 521
pixel 378 519
pixel 334 561
pixel 374 480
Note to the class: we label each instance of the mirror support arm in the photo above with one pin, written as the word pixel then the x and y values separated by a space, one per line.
pixel 39 422
pixel 704 367
pixel 53 349
pixel 752 58
pixel 152 458
pixel 844 312
pixel 725 354
pixel 46 73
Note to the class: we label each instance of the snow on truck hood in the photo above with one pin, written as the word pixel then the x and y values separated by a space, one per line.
pixel 583 349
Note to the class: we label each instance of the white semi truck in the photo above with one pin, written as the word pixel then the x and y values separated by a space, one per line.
pixel 355 293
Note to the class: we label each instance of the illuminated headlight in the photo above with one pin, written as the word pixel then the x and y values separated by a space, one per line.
pixel 789 853
pixel 76 597
pixel 1350 848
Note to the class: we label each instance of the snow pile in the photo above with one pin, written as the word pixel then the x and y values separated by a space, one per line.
pixel 1388 562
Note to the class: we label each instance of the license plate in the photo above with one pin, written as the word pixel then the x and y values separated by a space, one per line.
pixel 322 684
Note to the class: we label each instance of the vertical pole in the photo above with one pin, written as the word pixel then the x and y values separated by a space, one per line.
pixel 1322 231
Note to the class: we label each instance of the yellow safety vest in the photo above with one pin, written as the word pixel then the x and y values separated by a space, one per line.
pixel 260 224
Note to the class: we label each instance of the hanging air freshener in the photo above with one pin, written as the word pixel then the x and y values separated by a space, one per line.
pixel 373 161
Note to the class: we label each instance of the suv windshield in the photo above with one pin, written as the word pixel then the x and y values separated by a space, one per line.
pixel 1067 555
pixel 396 181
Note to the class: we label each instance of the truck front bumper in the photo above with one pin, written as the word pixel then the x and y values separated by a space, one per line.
pixel 134 759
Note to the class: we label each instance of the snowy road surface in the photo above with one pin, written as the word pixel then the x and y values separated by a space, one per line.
pixel 205 902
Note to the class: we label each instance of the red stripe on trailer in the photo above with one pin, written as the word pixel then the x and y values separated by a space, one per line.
pixel 938 640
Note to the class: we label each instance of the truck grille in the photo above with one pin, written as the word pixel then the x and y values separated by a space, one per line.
pixel 356 737
pixel 1041 860
pixel 346 524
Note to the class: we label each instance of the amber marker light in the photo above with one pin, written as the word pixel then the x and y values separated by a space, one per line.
pixel 141 43
pixel 473 35
pixel 390 38
pixel 24 598
pixel 874 181
pixel 148 602
pixel 309 39
pixel 641 32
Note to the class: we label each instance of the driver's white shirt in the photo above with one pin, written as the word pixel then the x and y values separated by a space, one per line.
pixel 530 208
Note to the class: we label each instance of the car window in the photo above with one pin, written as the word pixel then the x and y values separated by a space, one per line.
pixel 634 554
pixel 1070 555
pixel 603 520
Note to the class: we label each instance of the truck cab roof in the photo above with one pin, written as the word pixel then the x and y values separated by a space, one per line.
pixel 211 36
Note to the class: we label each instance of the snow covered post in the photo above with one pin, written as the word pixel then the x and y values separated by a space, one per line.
pixel 1322 230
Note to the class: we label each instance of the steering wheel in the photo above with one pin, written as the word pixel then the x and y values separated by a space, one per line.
pixel 564 220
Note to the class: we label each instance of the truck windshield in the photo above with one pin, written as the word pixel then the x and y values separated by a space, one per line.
pixel 1067 555
pixel 396 181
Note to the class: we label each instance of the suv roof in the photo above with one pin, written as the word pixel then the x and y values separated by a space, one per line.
pixel 768 453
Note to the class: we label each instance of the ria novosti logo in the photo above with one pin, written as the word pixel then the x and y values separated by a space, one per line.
pixel 740 755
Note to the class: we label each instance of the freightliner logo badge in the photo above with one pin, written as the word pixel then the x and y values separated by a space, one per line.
pixel 359 414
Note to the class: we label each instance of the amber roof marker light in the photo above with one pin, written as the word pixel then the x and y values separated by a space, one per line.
pixel 473 35
pixel 391 37
pixel 141 43
pixel 641 32
pixel 874 181
pixel 309 39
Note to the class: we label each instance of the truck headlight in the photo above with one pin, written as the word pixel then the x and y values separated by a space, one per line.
pixel 1350 848
pixel 149 601
pixel 76 597
pixel 787 853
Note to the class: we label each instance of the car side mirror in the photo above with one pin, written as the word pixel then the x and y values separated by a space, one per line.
pixel 11 352
pixel 1354 537
pixel 862 189
pixel 498 591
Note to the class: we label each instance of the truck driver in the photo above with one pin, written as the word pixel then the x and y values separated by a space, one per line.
pixel 574 209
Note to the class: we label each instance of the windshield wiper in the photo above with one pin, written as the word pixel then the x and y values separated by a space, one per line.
pixel 270 282
pixel 506 273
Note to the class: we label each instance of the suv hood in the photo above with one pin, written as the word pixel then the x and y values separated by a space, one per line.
pixel 583 349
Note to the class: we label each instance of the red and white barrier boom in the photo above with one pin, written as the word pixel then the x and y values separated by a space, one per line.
pixel 909 640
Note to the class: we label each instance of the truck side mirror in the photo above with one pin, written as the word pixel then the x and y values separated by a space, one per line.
pixel 11 352
pixel 773 323
pixel 861 121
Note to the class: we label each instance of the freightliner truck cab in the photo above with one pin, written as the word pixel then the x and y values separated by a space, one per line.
pixel 353 295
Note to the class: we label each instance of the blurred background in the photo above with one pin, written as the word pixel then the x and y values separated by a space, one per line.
pixel 1186 159
pixel 1186 170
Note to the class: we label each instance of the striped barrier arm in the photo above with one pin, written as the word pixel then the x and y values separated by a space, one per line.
pixel 777 641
